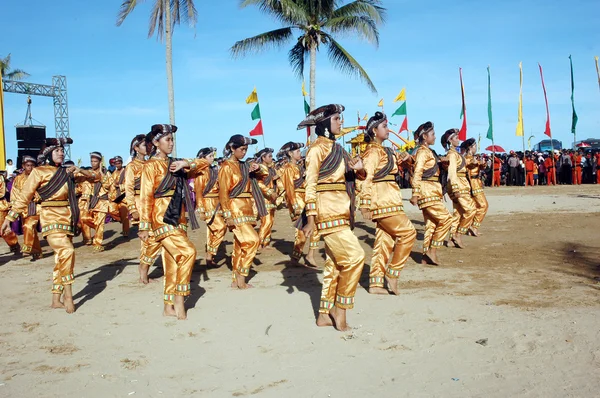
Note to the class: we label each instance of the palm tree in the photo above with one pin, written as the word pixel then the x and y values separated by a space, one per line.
pixel 11 74
pixel 164 16
pixel 317 22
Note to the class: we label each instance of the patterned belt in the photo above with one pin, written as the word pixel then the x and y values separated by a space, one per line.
pixel 243 195
pixel 212 195
pixel 137 191
pixel 434 179
pixel 300 190
pixel 55 203
pixel 387 178
pixel 334 186
pixel 166 194
pixel 461 174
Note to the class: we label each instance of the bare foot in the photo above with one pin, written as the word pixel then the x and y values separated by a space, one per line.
pixel 338 315
pixel 473 232
pixel 378 290
pixel 240 281
pixel 68 299
pixel 180 308
pixel 143 269
pixel 56 303
pixel 324 320
pixel 310 259
pixel 169 310
pixel 430 257
pixel 457 240
pixel 392 284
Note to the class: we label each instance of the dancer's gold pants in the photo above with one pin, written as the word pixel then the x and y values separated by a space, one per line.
pixel 122 215
pixel 64 261
pixel 393 234
pixel 437 225
pixel 215 233
pixel 463 214
pixel 11 237
pixel 149 250
pixel 300 241
pixel 245 245
pixel 482 206
pixel 178 255
pixel 31 241
pixel 86 231
pixel 266 225
pixel 343 266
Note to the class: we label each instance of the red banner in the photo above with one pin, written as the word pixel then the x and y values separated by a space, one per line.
pixel 548 132
pixel 258 130
pixel 462 134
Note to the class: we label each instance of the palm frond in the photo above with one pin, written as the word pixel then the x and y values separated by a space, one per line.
pixel 126 8
pixel 365 8
pixel 297 57
pixel 350 25
pixel 156 22
pixel 319 10
pixel 275 38
pixel 16 74
pixel 285 11
pixel 342 60
pixel 184 10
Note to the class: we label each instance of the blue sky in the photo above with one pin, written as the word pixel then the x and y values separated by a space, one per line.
pixel 117 83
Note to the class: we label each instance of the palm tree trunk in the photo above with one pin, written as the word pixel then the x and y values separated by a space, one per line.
pixel 313 67
pixel 170 89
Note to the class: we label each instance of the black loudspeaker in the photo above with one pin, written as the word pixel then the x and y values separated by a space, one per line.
pixel 30 144
pixel 31 133
pixel 23 152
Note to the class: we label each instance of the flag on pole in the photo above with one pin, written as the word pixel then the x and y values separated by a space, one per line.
pixel 547 131
pixel 2 142
pixel 401 96
pixel 380 104
pixel 401 111
pixel 574 117
pixel 597 70
pixel 306 107
pixel 490 132
pixel 255 112
pixel 257 130
pixel 366 118
pixel 462 134
pixel 253 97
pixel 520 129
pixel 404 126
pixel 304 93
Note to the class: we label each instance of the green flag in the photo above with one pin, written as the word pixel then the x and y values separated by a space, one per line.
pixel 401 111
pixel 306 107
pixel 255 113
pixel 490 132
pixel 575 118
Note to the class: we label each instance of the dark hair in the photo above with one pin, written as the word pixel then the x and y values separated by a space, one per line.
pixel 237 141
pixel 9 160
pixel 444 140
pixel 373 122
pixel 422 130
pixel 137 140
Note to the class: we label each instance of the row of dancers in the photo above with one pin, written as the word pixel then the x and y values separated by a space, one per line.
pixel 321 193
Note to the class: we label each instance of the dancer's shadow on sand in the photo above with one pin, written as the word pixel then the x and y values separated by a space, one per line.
pixel 303 279
pixel 99 281
pixel 200 274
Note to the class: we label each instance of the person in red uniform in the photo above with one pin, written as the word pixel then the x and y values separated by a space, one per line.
pixel 550 171
pixel 497 167
pixel 529 166
pixel 577 170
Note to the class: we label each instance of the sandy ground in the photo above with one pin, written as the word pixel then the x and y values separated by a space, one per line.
pixel 528 290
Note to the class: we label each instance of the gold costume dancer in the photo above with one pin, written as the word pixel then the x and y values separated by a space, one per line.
pixel 459 188
pixel 474 166
pixel 30 217
pixel 266 177
pixel 330 212
pixel 165 197
pixel 238 193
pixel 381 201
pixel 149 248
pixel 206 186
pixel 428 195
pixel 98 201
pixel 117 206
pixel 294 186
pixel 83 201
pixel 9 237
pixel 53 187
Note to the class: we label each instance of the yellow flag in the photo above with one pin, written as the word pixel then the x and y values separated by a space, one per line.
pixel 253 97
pixel 520 129
pixel 304 93
pixel 380 104
pixel 401 96
pixel 2 143
pixel 366 118
pixel 597 70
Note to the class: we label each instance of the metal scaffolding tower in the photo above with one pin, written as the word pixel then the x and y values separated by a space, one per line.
pixel 58 91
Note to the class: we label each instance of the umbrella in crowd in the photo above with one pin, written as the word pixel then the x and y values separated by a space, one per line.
pixel 495 148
